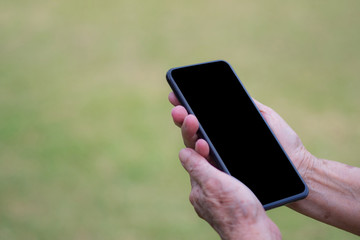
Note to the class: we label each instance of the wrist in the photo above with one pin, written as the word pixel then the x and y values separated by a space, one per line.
pixel 306 165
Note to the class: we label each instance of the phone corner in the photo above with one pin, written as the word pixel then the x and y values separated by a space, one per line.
pixel 305 193
pixel 168 73
pixel 221 61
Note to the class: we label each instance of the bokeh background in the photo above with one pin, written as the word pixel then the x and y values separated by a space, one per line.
pixel 87 145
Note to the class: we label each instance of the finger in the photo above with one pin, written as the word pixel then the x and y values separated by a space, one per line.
pixel 285 134
pixel 202 147
pixel 188 130
pixel 197 166
pixel 173 99
pixel 258 104
pixel 178 114
pixel 264 110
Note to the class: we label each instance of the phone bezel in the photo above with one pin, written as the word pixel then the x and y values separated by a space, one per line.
pixel 213 151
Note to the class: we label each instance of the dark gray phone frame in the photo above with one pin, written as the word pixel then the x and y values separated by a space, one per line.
pixel 214 153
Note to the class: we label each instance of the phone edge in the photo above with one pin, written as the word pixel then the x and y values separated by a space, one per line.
pixel 213 151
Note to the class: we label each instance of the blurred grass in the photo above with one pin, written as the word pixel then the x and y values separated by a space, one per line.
pixel 87 146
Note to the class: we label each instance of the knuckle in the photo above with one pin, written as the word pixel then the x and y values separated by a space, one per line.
pixel 198 201
pixel 194 196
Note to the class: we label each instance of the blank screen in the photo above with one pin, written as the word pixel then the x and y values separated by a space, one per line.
pixel 236 129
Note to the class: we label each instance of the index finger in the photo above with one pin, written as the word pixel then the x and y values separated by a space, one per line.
pixel 173 99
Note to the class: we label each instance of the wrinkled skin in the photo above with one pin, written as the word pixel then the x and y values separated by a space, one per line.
pixel 223 201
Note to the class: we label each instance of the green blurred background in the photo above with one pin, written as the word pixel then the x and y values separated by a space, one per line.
pixel 87 145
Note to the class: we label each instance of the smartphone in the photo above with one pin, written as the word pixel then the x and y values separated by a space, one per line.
pixel 241 142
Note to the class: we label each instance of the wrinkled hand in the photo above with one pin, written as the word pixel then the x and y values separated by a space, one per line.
pixel 223 201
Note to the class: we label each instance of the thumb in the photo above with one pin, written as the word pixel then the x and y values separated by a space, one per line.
pixel 197 166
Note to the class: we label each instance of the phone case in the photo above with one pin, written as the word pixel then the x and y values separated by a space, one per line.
pixel 214 154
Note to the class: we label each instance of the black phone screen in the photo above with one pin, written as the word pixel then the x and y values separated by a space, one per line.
pixel 237 131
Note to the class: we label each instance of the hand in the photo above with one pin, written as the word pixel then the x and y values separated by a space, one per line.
pixel 333 187
pixel 223 201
